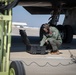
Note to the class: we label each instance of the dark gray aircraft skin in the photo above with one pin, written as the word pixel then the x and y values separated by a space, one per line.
pixel 46 6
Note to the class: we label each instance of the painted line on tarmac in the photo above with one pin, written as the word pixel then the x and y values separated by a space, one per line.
pixel 58 57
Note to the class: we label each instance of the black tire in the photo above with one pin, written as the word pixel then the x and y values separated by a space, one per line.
pixel 18 68
pixel 68 34
pixel 60 28
pixel 62 31
pixel 41 32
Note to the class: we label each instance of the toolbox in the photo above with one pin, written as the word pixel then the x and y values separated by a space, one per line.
pixel 36 49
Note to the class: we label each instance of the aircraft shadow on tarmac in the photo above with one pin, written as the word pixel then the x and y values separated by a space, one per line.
pixel 18 46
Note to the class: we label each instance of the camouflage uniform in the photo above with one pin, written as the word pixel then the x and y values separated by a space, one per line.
pixel 54 38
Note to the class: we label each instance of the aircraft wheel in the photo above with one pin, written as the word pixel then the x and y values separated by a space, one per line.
pixel 68 34
pixel 41 32
pixel 16 68
pixel 62 31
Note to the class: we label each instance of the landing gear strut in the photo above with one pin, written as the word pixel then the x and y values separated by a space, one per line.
pixel 66 31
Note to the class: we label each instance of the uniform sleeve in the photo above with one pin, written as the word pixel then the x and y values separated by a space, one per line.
pixel 55 32
pixel 42 42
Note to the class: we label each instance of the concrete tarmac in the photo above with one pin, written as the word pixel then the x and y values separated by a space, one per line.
pixel 47 64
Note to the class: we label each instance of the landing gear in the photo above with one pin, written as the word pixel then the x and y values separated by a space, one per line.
pixel 61 30
pixel 16 68
pixel 41 32
pixel 66 32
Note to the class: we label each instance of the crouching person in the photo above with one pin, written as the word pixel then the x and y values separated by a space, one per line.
pixel 53 37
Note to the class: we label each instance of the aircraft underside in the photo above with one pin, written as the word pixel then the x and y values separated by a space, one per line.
pixel 46 6
pixel 55 8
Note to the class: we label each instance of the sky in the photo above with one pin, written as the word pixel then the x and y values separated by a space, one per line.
pixel 22 15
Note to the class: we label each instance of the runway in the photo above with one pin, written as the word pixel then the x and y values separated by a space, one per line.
pixel 46 64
